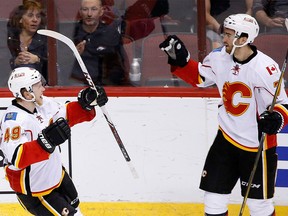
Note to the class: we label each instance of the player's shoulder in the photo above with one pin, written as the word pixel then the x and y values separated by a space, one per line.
pixel 219 52
pixel 262 62
pixel 219 55
pixel 47 100
pixel 263 57
pixel 49 107
pixel 14 116
pixel 218 49
pixel 48 103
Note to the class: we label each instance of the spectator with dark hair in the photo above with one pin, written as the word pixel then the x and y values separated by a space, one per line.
pixel 26 46
pixel 272 15
pixel 100 46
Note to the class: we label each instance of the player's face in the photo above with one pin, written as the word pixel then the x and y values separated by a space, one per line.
pixel 38 90
pixel 228 38
pixel 91 11
pixel 31 20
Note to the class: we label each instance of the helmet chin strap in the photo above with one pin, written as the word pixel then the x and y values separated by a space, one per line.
pixel 234 45
pixel 29 100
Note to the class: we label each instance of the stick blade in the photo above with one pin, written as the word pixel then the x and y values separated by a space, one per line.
pixel 133 170
pixel 55 35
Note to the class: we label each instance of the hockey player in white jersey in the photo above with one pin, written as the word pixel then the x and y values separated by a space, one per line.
pixel 33 127
pixel 246 79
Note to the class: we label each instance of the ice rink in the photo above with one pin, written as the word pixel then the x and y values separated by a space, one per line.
pixel 167 140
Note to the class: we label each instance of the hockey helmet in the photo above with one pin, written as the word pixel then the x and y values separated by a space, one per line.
pixel 243 23
pixel 23 77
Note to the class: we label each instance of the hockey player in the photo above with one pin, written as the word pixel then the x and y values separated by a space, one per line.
pixel 33 127
pixel 246 80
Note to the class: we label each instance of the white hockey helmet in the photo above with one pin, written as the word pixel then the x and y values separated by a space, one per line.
pixel 243 23
pixel 23 77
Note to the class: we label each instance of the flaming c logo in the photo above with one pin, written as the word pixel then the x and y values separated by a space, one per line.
pixel 229 91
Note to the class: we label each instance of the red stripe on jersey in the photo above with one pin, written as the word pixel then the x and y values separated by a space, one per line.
pixel 189 73
pixel 284 112
pixel 29 153
pixel 16 180
pixel 76 114
pixel 269 142
pixel 235 143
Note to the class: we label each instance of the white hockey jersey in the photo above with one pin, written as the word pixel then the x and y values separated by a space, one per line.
pixel 246 88
pixel 30 169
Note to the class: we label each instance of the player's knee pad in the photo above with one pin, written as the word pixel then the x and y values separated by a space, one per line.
pixel 259 207
pixel 216 204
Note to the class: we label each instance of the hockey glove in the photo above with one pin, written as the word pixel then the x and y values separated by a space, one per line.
pixel 270 122
pixel 53 135
pixel 102 96
pixel 88 98
pixel 177 53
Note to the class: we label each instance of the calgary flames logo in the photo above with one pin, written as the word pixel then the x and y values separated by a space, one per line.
pixel 229 91
pixel 236 69
pixel 39 117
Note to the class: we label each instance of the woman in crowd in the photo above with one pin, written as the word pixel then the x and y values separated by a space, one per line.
pixel 27 48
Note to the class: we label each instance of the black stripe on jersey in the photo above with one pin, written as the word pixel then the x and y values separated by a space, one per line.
pixel 285 105
pixel 27 180
pixel 14 103
pixel 15 155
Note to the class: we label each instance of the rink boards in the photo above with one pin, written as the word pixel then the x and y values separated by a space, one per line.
pixel 167 140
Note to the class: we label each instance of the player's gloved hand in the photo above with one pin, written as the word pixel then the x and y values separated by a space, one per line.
pixel 177 53
pixel 271 122
pixel 53 135
pixel 102 96
pixel 88 98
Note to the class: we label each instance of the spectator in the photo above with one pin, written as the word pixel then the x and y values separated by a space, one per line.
pixel 138 19
pixel 26 46
pixel 100 46
pixel 110 12
pixel 218 10
pixel 34 126
pixel 271 15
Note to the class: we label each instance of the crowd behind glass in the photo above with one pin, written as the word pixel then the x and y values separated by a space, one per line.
pixel 120 59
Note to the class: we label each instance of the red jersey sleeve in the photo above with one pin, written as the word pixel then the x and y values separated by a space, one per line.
pixel 76 114
pixel 189 73
pixel 29 153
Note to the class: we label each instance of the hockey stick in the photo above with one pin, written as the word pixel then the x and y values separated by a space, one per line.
pixel 72 46
pixel 70 156
pixel 260 148
pixel 165 33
